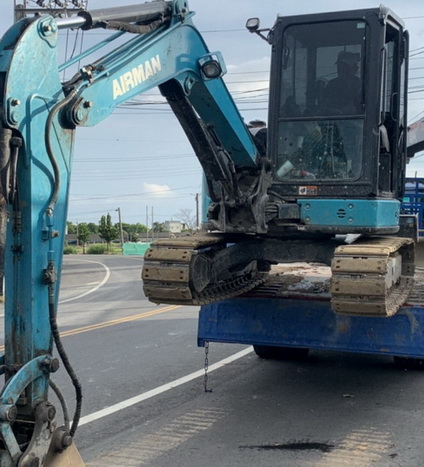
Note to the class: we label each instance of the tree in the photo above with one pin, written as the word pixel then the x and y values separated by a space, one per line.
pixel 134 231
pixel 107 231
pixel 83 235
pixel 187 218
pixel 72 229
pixel 158 227
pixel 93 228
pixel 140 228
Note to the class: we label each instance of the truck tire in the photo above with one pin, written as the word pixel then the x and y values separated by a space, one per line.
pixel 408 363
pixel 270 352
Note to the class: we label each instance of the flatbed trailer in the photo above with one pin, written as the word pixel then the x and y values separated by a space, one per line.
pixel 291 313
pixel 412 203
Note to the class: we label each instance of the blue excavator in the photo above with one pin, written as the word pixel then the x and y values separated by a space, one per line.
pixel 333 169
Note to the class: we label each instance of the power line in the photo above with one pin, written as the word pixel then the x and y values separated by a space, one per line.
pixel 112 158
pixel 140 177
pixel 145 193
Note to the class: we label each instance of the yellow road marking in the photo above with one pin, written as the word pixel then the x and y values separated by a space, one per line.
pixel 113 322
pixel 119 320
pixel 360 448
pixel 145 450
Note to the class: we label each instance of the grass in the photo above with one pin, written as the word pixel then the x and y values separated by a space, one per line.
pixel 96 249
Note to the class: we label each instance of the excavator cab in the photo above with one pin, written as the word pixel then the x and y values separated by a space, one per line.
pixel 337 119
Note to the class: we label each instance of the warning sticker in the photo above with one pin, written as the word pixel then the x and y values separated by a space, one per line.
pixel 308 190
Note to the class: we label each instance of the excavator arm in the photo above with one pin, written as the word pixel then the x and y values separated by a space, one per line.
pixel 38 118
pixel 415 138
pixel 173 56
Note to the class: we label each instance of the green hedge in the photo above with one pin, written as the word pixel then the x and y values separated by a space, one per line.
pixel 70 250
pixel 99 249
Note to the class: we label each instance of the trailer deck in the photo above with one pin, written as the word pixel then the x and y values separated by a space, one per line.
pixel 292 309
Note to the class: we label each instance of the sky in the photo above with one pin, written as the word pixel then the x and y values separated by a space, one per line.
pixel 139 159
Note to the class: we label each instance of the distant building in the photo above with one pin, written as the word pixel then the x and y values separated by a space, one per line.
pixel 174 226
pixel 72 239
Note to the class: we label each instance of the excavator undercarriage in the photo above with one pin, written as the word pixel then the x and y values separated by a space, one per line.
pixel 370 277
pixel 191 271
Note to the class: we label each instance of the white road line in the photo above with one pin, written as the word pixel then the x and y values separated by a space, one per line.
pixel 161 389
pixel 100 284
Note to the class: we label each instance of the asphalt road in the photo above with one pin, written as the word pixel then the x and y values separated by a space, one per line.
pixel 332 410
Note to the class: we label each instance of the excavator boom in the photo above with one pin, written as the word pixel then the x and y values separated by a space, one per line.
pixel 38 118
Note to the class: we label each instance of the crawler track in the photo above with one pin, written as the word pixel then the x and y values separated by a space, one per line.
pixel 372 276
pixel 181 271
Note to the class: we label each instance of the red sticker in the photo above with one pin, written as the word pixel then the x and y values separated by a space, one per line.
pixel 308 190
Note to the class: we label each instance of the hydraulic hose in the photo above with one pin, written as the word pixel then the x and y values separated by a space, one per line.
pixel 50 270
pixel 133 28
pixel 49 125
pixel 67 364
pixel 62 402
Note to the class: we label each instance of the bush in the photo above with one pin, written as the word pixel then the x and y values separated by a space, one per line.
pixel 97 249
pixel 70 250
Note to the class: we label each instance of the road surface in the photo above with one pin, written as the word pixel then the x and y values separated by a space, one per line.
pixel 145 404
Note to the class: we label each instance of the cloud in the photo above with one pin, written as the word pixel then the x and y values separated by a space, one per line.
pixel 157 191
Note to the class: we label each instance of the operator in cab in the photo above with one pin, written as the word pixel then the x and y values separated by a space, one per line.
pixel 258 131
pixel 342 95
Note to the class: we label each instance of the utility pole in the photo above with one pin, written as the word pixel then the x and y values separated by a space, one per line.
pixel 121 232
pixel 197 211
pixel 147 223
